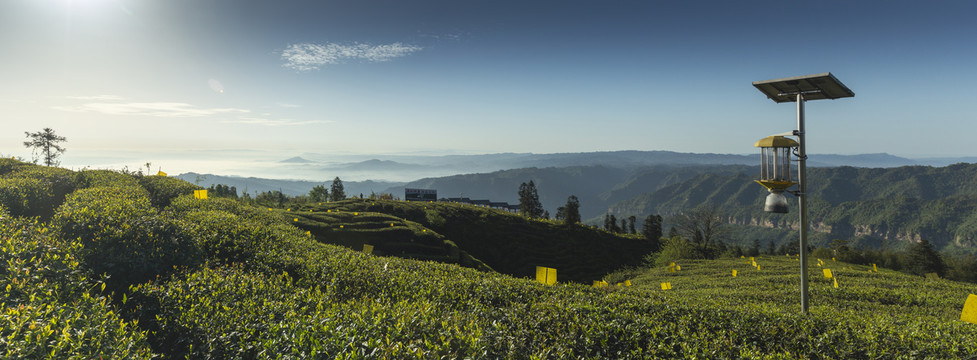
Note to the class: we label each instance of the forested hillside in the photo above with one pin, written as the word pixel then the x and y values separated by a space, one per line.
pixel 894 205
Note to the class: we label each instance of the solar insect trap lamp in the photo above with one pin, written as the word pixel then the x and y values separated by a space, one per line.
pixel 775 170
pixel 776 150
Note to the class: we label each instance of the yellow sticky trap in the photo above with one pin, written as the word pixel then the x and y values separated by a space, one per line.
pixel 308 233
pixel 742 257
pixel 755 264
pixel 328 210
pixel 200 194
pixel 367 249
pixel 752 259
pixel 546 275
pixel 598 283
pixel 627 282
pixel 356 213
pixel 342 226
pixel 678 267
pixel 836 282
pixel 833 259
pixel 734 273
pixel 671 269
pixel 161 173
pixel 391 224
pixel 620 284
pixel 827 273
pixel 875 268
pixel 969 313
pixel 296 219
pixel 933 276
pixel 289 209
pixel 666 286
pixel 758 267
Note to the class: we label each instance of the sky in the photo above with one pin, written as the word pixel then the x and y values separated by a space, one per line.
pixel 187 84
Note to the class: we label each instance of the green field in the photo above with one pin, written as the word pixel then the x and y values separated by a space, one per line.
pixel 221 279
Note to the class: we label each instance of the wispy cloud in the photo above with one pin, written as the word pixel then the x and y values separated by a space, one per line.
pixel 96 98
pixel 308 56
pixel 287 105
pixel 157 109
pixel 273 122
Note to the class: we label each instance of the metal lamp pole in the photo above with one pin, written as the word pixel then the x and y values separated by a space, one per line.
pixel 802 197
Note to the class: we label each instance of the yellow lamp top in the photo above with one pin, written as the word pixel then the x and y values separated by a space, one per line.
pixel 775 141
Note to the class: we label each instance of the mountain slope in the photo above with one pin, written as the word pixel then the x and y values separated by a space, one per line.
pixel 895 204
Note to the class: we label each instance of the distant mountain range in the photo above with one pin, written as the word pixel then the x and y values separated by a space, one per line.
pixel 857 196
pixel 405 168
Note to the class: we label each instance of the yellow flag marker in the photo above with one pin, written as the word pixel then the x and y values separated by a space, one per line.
pixel 200 194
pixel 367 249
pixel 161 173
pixel 546 275
pixel 666 286
pixel 933 276
pixel 827 273
pixel 734 273
pixel 969 313
pixel 836 282
pixel 627 282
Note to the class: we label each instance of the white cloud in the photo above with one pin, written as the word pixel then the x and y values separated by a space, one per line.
pixel 287 105
pixel 157 109
pixel 97 98
pixel 307 56
pixel 273 122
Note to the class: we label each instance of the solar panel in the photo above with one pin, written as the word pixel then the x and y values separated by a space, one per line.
pixel 813 87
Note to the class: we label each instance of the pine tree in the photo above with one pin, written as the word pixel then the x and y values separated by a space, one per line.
pixel 922 259
pixel 631 220
pixel 529 204
pixel 336 192
pixel 46 142
pixel 571 210
pixel 652 231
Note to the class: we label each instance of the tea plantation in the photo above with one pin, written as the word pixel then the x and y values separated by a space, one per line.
pixel 97 264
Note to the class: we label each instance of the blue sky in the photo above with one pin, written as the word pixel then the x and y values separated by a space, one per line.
pixel 185 83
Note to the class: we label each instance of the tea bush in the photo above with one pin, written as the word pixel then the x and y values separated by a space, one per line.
pixel 47 310
pixel 162 190
pixel 92 178
pixel 123 235
pixel 31 190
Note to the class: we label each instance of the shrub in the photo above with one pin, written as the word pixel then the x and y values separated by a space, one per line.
pixel 162 189
pixel 31 190
pixel 92 178
pixel 676 248
pixel 123 235
pixel 47 311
